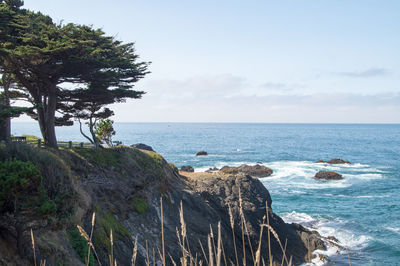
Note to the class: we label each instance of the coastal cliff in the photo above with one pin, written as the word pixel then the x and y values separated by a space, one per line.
pixel 123 187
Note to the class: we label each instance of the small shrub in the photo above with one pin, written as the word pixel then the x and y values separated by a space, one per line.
pixel 104 131
pixel 17 178
pixel 54 185
pixel 47 206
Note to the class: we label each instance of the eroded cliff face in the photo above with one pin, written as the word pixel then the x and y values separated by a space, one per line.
pixel 123 186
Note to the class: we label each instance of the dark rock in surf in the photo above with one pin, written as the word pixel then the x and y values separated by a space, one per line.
pixel 332 238
pixel 334 161
pixel 252 170
pixel 212 170
pixel 328 175
pixel 187 168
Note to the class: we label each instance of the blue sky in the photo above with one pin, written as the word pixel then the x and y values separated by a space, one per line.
pixel 254 61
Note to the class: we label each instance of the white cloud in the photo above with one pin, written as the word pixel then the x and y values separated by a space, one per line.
pixel 368 73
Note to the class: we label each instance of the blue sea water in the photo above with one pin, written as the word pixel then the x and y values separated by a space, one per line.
pixel 362 211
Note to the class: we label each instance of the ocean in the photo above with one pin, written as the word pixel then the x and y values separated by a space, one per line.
pixel 362 211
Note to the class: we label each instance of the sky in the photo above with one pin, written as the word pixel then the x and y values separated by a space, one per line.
pixel 307 61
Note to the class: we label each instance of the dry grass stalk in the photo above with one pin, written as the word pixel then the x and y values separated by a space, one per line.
pixel 277 239
pixel 147 254
pixel 213 241
pixel 172 260
pixel 219 250
pixel 284 251
pixel 223 253
pixel 233 234
pixel 33 247
pixel 159 253
pixel 111 256
pixel 162 232
pixel 243 244
pixel 268 236
pixel 86 237
pixel 258 252
pixel 210 252
pixel 134 253
pixel 183 235
pixel 245 224
pixel 90 238
pixel 204 253
pixel 242 227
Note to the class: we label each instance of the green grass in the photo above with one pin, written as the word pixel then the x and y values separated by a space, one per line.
pixel 79 244
pixel 140 205
pixel 105 222
pixel 152 163
pixel 174 167
pixel 102 157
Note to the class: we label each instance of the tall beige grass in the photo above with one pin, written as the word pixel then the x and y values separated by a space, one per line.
pixel 214 255
pixel 215 247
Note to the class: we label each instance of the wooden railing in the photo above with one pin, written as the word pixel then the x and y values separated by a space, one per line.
pixel 64 144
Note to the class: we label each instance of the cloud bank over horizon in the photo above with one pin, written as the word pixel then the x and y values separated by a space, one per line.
pixel 227 98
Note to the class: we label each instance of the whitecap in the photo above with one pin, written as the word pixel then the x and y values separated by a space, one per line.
pixel 393 229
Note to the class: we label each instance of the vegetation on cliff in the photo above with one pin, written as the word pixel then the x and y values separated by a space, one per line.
pixel 123 186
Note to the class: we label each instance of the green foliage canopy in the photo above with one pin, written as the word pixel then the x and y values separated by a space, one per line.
pixel 45 57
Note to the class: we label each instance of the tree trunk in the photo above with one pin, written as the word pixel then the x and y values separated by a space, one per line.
pixel 46 112
pixel 50 138
pixel 83 134
pixel 5 125
pixel 5 130
pixel 95 140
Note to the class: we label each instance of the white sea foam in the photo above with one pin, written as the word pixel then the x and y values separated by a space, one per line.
pixel 393 229
pixel 364 176
pixel 329 227
pixel 299 175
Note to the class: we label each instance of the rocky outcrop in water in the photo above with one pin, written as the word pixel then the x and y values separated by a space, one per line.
pixel 252 170
pixel 334 161
pixel 187 168
pixel 328 175
pixel 212 170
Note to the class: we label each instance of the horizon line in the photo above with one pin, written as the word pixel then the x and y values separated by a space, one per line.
pixel 246 122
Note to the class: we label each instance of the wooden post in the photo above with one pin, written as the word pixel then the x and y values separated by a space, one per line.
pixel 39 143
pixel 70 144
pixel 81 144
